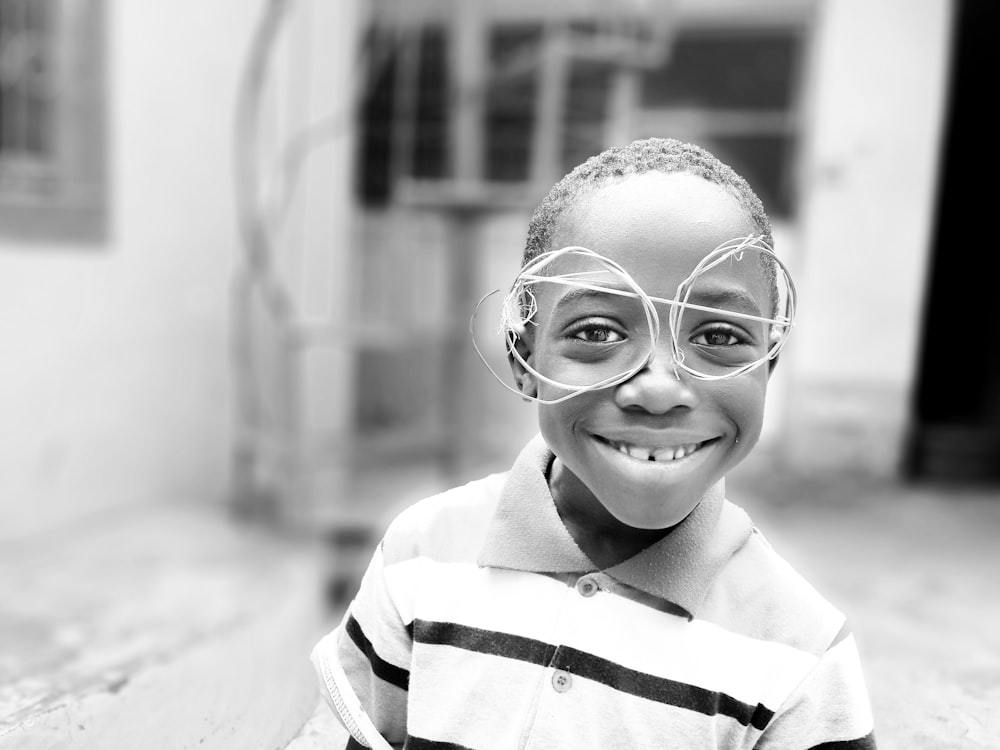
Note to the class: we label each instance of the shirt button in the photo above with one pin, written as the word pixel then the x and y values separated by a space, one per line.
pixel 587 586
pixel 561 681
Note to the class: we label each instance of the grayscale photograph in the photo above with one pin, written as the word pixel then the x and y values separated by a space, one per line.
pixel 498 375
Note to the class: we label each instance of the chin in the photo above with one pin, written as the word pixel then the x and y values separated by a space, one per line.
pixel 653 521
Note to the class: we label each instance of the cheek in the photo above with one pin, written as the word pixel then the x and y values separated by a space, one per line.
pixel 744 401
pixel 559 417
pixel 541 361
pixel 562 424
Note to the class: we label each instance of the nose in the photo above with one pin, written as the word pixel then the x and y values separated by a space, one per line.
pixel 658 387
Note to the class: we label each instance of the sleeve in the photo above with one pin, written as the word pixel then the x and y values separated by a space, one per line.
pixel 829 709
pixel 363 664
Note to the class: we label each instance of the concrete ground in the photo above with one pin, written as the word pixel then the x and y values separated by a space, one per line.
pixel 915 568
pixel 917 571
pixel 156 627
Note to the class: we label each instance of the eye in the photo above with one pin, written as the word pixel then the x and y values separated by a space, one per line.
pixel 720 336
pixel 598 335
pixel 596 332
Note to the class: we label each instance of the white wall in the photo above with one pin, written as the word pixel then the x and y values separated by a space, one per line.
pixel 115 384
pixel 877 86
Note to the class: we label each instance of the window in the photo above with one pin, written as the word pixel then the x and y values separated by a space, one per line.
pixel 404 110
pixel 407 103
pixel 510 105
pixel 51 119
pixel 734 91
pixel 730 87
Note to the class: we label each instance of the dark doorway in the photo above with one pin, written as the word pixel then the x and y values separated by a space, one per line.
pixel 956 433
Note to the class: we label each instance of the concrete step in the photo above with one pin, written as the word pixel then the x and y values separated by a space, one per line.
pixel 158 628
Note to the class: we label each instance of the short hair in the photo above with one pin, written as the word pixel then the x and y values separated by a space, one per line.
pixel 663 155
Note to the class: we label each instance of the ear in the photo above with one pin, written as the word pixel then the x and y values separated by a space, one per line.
pixel 522 342
pixel 772 363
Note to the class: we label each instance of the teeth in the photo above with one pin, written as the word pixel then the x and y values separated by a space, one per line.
pixel 636 452
pixel 656 454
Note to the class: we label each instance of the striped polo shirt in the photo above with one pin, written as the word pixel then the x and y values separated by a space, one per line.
pixel 480 623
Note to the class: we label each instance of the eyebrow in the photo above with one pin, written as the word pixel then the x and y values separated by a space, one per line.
pixel 584 290
pixel 733 296
pixel 708 301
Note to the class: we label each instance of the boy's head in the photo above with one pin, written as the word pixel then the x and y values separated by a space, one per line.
pixel 660 155
pixel 643 450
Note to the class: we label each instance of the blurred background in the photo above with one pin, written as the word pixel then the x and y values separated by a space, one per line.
pixel 240 244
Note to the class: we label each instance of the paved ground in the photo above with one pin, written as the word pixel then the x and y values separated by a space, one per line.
pixel 132 630
pixel 916 569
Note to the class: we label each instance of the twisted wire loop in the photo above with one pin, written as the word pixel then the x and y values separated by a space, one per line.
pixel 519 307
pixel 784 303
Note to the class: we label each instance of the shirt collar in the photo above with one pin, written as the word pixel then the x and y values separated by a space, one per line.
pixel 527 534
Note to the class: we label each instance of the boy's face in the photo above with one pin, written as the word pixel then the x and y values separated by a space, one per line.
pixel 657 227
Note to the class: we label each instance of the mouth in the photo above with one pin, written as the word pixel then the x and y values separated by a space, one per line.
pixel 660 454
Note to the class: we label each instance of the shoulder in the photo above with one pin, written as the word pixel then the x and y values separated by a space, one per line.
pixel 449 526
pixel 761 595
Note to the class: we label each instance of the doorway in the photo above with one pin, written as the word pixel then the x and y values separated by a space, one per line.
pixel 956 432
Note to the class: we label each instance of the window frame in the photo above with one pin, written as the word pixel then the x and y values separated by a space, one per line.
pixel 705 125
pixel 62 196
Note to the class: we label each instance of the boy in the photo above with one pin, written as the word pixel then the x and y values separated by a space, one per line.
pixel 603 593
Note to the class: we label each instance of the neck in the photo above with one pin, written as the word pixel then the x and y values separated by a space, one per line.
pixel 602 537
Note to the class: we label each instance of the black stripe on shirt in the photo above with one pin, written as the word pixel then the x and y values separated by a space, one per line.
pixel 659 689
pixel 380 667
pixel 483 641
pixel 862 743
pixel 419 743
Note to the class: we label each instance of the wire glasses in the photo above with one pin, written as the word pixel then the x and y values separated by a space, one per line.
pixel 731 315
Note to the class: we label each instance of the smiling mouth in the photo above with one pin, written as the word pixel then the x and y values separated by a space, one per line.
pixel 657 454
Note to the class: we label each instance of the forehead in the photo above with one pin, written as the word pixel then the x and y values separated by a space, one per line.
pixel 657 226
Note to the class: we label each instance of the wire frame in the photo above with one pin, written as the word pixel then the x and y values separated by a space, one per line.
pixel 517 311
pixel 781 323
